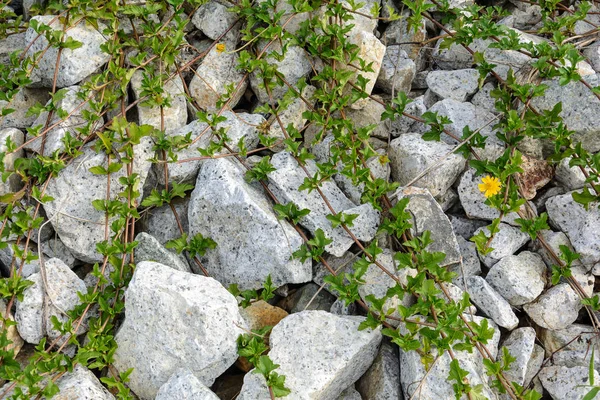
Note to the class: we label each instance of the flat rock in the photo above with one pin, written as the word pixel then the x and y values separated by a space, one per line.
pixel 564 383
pixel 214 20
pixel 313 352
pixel 183 384
pixel 458 84
pixel 504 243
pixel 251 242
pixel 382 379
pixel 557 308
pixel 150 249
pixel 491 303
pixel 470 264
pixel 163 306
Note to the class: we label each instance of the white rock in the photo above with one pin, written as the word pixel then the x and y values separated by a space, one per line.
pixel 183 385
pixel 397 71
pixel 214 20
pixel 574 344
pixel 162 307
pixel 29 313
pixel 504 243
pixel 491 303
pixel 570 177
pixel 14 137
pixel 555 309
pixel 81 383
pixel 457 85
pixel 565 383
pixel 520 344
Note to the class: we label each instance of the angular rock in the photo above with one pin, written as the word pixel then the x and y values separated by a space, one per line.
pixel 260 314
pixel 163 306
pixel 214 20
pixel 397 71
pixel 465 227
pixel 284 183
pixel 350 394
pixel 429 216
pixel 407 39
pixel 535 364
pixel 173 117
pixel 292 114
pixel 251 242
pixel 372 51
pixel 29 313
pixel 504 243
pixel 12 333
pixel 570 346
pixel 21 102
pixel 565 383
pixel 184 385
pixel 81 383
pixel 570 177
pixel 557 308
pixel 55 248
pixel 160 221
pixel 382 379
pixel 150 249
pixel 520 344
pixel 483 100
pixel 311 348
pixel 520 279
pixel 404 124
pixel 470 264
pixel 581 226
pixel 536 174
pixel 74 65
pixel 458 85
pixel 341 265
pixel 308 297
pixel 491 303
pixel 14 137
pixel 410 155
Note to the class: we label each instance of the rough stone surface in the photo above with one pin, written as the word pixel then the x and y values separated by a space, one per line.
pixel 458 85
pixel 308 297
pixel 159 221
pixel 520 279
pixel 260 314
pixel 29 313
pixel 251 242
pixel 573 343
pixel 470 264
pixel 465 227
pixel 504 243
pixel 557 308
pixel 311 348
pixel 397 71
pixel 184 385
pixel 74 65
pixel 536 174
pixel 150 249
pixel 482 98
pixel 214 20
pixel 491 302
pixel 290 115
pixel 408 39
pixel 565 383
pixel 81 383
pixel 15 136
pixel 162 306
pixel 55 248
pixel 23 100
pixel 410 156
pixel 571 178
pixel 520 344
pixel 404 124
pixel 382 379
pixel 285 181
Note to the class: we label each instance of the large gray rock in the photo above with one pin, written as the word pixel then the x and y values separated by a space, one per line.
pixel 571 178
pixel 581 226
pixel 74 65
pixel 504 243
pixel 521 345
pixel 162 307
pixel 557 308
pixel 160 222
pixel 570 346
pixel 457 85
pixel 22 101
pixel 314 353
pixel 397 71
pixel 491 303
pixel 213 19
pixel 78 223
pixel 410 155
pixel 14 136
pixel 519 279
pixel 81 383
pixel 284 183
pixel 408 39
pixel 427 215
pixel 150 249
pixel 564 383
pixel 29 313
pixel 404 124
pixel 184 385
pixel 251 242
pixel 382 379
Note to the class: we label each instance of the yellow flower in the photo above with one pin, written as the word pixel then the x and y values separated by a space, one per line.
pixel 490 186
pixel 220 47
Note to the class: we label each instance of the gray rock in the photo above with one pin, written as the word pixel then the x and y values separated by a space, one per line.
pixel 504 243
pixel 174 116
pixel 581 226
pixel 214 20
pixel 571 178
pixel 78 224
pixel 570 346
pixel 410 155
pixel 251 242
pixel 284 183
pixel 184 385
pixel 81 383
pixel 557 308
pixel 9 44
pixel 465 227
pixel 447 200
pixel 216 72
pixel 9 259
pixel 491 303
pixel 404 124
pixel 520 279
pixel 565 383
pixel 74 65
pixel 237 126
pixel 150 249
pixel 482 98
pixel 470 264
pixel 29 313
pixel 308 297
pixel 458 85
pixel 14 137
pixel 527 19
pixel 408 39
pixel 339 307
pixel 311 348
pixel 341 265
pixel 291 114
pixel 397 71
pixel 350 394
pixel 520 344
pixel 22 101
pixel 160 221
pixel 55 248
pixel 427 215
pixel 382 379
pixel 455 294
pixel 162 307
pixel 368 115
pixel 535 364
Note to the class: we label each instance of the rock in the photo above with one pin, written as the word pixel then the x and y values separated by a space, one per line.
pixel 150 249
pixel 397 71
pixel 504 243
pixel 260 314
pixel 565 383
pixel 581 226
pixel 9 259
pixel 78 224
pixel 491 303
pixel 536 174
pixel 339 307
pixel 519 279
pixel 410 155
pixel 81 383
pixel 570 346
pixel 483 100
pixel 213 19
pixel 571 178
pixel 436 384
pixel 458 85
pixel 470 264
pixel 535 364
pixel 238 126
pixel 382 379
pixel 455 294
pixel 11 43
pixel 55 248
pixel 184 385
pixel 427 215
pixel 216 72
pixel 74 65
pixel 557 308
pixel 369 114
pixel 311 348
pixel 404 124
pixel 308 297
pixel 407 39
pixel 527 19
pixel 465 227
pixel 284 183
pixel 29 313
pixel 12 334
pixel 14 137
pixel 251 242
pixel 341 265
pixel 350 394
pixel 163 306
pixel 174 116
pixel 520 344
pixel 21 102
pixel 295 66
pixel 160 221
pixel 291 114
